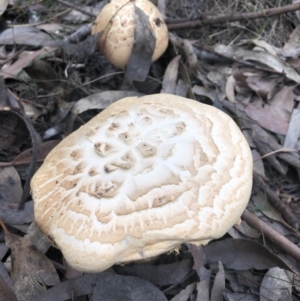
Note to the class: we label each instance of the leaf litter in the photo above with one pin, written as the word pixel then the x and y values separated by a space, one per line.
pixel 53 80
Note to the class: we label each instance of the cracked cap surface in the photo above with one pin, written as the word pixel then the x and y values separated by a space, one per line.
pixel 140 178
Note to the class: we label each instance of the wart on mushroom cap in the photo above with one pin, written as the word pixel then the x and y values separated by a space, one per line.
pixel 141 178
pixel 117 21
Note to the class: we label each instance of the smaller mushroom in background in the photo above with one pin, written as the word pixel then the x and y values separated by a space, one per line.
pixel 117 21
pixel 142 177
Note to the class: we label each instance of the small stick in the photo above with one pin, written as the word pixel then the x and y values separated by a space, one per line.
pixel 272 234
pixel 222 18
pixel 84 11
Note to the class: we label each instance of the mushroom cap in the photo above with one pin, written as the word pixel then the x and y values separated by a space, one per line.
pixel 117 20
pixel 142 177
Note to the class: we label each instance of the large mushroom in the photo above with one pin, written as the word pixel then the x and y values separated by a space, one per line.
pixel 117 21
pixel 142 177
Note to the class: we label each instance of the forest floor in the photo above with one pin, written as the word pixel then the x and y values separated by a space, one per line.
pixel 240 56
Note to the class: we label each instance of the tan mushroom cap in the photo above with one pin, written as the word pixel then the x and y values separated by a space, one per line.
pixel 117 20
pixel 141 178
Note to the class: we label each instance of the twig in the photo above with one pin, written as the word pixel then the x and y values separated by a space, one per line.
pixel 236 17
pixel 282 208
pixel 272 234
pixel 42 22
pixel 25 6
pixel 84 11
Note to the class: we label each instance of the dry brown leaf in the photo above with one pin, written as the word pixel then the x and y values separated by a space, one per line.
pixel 185 293
pixel 43 75
pixel 276 285
pixel 248 279
pixel 201 77
pixel 62 111
pixel 271 118
pixel 199 258
pixel 16 68
pixel 50 27
pixel 239 77
pixel 263 140
pixel 207 92
pixel 103 286
pixel 100 100
pixel 182 88
pixel 266 206
pixel 75 16
pixel 203 291
pixel 264 58
pixel 276 116
pixel 266 46
pixel 10 186
pixel 170 76
pixel 246 230
pixel 10 196
pixel 265 88
pixel 31 111
pixel 143 48
pixel 258 165
pixel 37 237
pixel 31 270
pixel 218 285
pixel 284 98
pixel 293 132
pixel 291 48
pixel 30 36
pixel 162 274
pixel 185 47
pixel 242 254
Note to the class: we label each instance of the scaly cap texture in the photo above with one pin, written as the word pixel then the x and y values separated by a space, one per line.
pixel 140 178
pixel 117 21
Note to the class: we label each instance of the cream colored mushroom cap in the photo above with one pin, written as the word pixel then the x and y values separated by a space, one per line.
pixel 142 177
pixel 117 20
